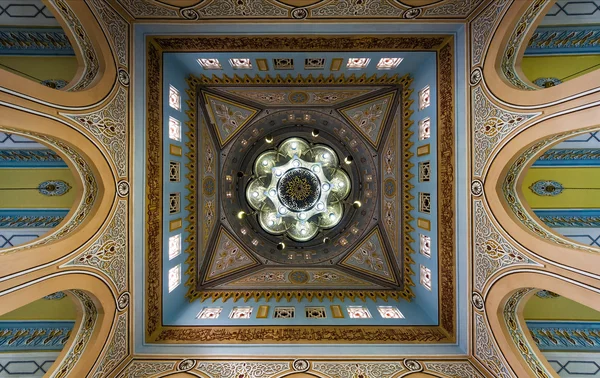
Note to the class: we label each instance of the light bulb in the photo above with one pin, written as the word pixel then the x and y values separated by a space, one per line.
pixel 265 162
pixel 320 206
pixel 316 168
pixel 296 163
pixel 271 223
pixel 302 215
pixel 272 192
pixel 326 187
pixel 303 231
pixel 254 194
pixel 341 184
pixel 294 145
pixel 326 155
pixel 278 173
pixel 282 210
pixel 331 216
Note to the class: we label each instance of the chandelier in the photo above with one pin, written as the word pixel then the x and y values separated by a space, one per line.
pixel 298 189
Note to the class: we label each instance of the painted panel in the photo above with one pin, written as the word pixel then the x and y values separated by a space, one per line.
pixel 26 364
pixel 16 141
pixel 34 335
pixel 574 364
pixel 19 188
pixel 580 188
pixel 27 41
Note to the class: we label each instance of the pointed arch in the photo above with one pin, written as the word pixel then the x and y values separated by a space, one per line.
pixel 95 184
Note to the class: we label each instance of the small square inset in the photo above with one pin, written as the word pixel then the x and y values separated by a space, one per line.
pixel 424 171
pixel 357 63
pixel 425 245
pixel 209 313
pixel 174 203
pixel 425 203
pixel 174 98
pixel 358 312
pixel 424 98
pixel 174 171
pixel 174 129
pixel 241 63
pixel 425 277
pixel 424 129
pixel 284 312
pixel 315 312
pixel 390 312
pixel 174 246
pixel 283 64
pixel 241 313
pixel 174 277
pixel 388 63
pixel 314 63
pixel 210 64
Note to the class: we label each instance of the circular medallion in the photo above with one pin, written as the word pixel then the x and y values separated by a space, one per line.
pixel 123 301
pixel 476 76
pixel 477 188
pixel 186 365
pixel 298 97
pixel 123 77
pixel 189 13
pixel 208 186
pixel 123 188
pixel 413 365
pixel 477 300
pixel 299 13
pixel 389 187
pixel 546 188
pixel 299 189
pixel 412 13
pixel 300 365
pixel 298 277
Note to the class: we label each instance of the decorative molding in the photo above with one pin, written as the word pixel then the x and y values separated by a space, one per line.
pixel 492 125
pixel 452 8
pixel 26 218
pixel 357 9
pixel 117 349
pixel 486 351
pixel 482 28
pixel 227 257
pixel 235 369
pixel 569 157
pixel 565 218
pixel 109 252
pixel 116 28
pixel 564 40
pixel 462 369
pixel 34 158
pixel 109 127
pixel 582 336
pixel 383 369
pixel 144 369
pixel 27 336
pixel 226 116
pixel 369 117
pixel 23 41
pixel 492 252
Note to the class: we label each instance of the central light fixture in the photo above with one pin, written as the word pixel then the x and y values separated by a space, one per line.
pixel 298 189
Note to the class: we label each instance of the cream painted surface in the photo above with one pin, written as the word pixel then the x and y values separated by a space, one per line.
pixel 43 309
pixel 560 308
pixel 41 67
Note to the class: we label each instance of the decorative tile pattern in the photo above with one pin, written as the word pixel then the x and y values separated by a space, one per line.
pixel 241 63
pixel 117 350
pixel 283 64
pixel 353 369
pixel 174 246
pixel 482 27
pixel 284 312
pixel 424 171
pixel 462 369
pixel 117 28
pixel 174 98
pixel 583 336
pixel 425 203
pixel 492 125
pixel 425 277
pixel 358 312
pixel 486 350
pixel 174 277
pixel 369 117
pixel 315 312
pixel 390 312
pixel 210 64
pixel 34 335
pixel 314 63
pixel 424 129
pixel 35 42
pixel 371 258
pixel 227 257
pixel 174 171
pixel 174 129
pixel 357 63
pixel 239 369
pixel 388 63
pixel 209 313
pixel 174 203
pixel 425 245
pixel 492 251
pixel 227 116
pixel 306 96
pixel 424 98
pixel 240 313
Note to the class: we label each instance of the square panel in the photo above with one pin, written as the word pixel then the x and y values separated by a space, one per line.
pixel 174 129
pixel 358 312
pixel 174 246
pixel 390 312
pixel 241 313
pixel 174 171
pixel 425 245
pixel 424 129
pixel 315 312
pixel 425 277
pixel 174 277
pixel 283 63
pixel 314 63
pixel 174 98
pixel 424 98
pixel 388 63
pixel 424 171
pixel 425 203
pixel 209 313
pixel 174 203
pixel 357 63
pixel 210 64
pixel 241 63
pixel 284 312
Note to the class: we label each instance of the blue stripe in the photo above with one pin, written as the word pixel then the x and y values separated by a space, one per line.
pixel 569 218
pixel 31 218
pixel 564 40
pixel 34 335
pixel 569 157
pixel 20 158
pixel 21 41
pixel 566 335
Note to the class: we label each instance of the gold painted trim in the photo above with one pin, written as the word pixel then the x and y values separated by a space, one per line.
pixel 175 150
pixel 336 64
pixel 424 224
pixel 224 233
pixel 213 119
pixel 175 224
pixel 263 312
pixel 423 150
pixel 336 312
pixel 262 64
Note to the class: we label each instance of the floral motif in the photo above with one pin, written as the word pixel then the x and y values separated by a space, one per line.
pixel 54 188
pixel 546 188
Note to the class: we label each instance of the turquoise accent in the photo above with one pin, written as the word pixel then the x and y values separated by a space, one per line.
pixel 34 158
pixel 21 41
pixel 54 188
pixel 565 336
pixel 569 218
pixel 31 218
pixel 34 335
pixel 546 188
pixel 564 40
pixel 564 157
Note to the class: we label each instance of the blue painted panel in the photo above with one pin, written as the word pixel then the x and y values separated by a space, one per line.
pixel 565 40
pixel 569 218
pixel 22 41
pixel 554 336
pixel 564 157
pixel 34 335
pixel 8 141
pixel 31 218
pixel 37 158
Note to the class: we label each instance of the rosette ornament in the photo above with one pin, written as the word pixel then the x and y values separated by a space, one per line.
pixel 298 189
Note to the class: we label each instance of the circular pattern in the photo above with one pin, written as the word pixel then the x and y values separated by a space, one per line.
pixel 186 365
pixel 189 14
pixel 54 188
pixel 298 277
pixel 54 83
pixel 300 365
pixel 477 188
pixel 208 186
pixel 413 365
pixel 476 76
pixel 299 13
pixel 298 97
pixel 546 188
pixel 123 301
pixel 389 187
pixel 547 82
pixel 123 77
pixel 412 13
pixel 299 189
pixel 477 300
pixel 123 188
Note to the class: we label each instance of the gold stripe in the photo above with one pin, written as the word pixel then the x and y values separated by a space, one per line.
pixel 263 312
pixel 262 64
pixel 336 64
pixel 175 224
pixel 336 312
pixel 423 150
pixel 175 150
pixel 424 224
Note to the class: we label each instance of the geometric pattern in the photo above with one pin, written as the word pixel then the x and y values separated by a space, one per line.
pixel 370 258
pixel 25 41
pixel 227 117
pixel 227 257
pixel 29 368
pixel 369 117
pixel 34 335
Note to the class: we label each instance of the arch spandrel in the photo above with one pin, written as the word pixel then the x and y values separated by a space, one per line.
pixel 96 74
pixel 525 16
pixel 504 305
pixel 90 170
pixel 505 202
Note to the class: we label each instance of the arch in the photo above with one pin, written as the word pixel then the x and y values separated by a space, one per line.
pixel 87 87
pixel 501 40
pixel 504 306
pixel 95 316
pixel 91 171
pixel 506 205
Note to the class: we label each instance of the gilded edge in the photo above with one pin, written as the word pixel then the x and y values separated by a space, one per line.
pixel 444 333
